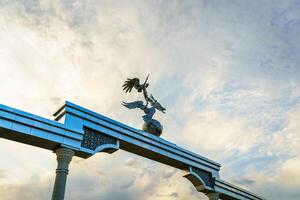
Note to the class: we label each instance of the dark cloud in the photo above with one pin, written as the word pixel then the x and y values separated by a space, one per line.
pixel 174 195
pixel 131 162
pixel 247 182
pixel 2 174
pixel 169 174
pixel 129 182
pixel 34 188
pixel 56 100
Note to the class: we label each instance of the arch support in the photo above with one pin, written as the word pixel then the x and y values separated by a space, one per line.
pixel 201 179
pixel 64 157
pixel 99 142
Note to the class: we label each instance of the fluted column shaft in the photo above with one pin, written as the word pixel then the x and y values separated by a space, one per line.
pixel 64 157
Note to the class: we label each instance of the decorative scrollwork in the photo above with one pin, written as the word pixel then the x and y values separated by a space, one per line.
pixel 204 175
pixel 201 179
pixel 93 139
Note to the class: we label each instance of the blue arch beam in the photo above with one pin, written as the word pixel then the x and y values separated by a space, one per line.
pixel 87 132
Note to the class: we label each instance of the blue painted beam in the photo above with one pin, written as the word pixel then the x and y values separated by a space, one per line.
pixel 37 131
pixel 136 141
pixel 87 132
pixel 229 191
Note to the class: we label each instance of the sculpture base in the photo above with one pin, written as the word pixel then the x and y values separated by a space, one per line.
pixel 153 128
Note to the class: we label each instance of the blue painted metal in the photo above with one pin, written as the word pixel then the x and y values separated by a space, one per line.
pixel 87 132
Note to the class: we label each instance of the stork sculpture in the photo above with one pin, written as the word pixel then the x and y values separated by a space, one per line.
pixel 150 125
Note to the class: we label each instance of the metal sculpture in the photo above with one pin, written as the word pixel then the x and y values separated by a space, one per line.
pixel 150 125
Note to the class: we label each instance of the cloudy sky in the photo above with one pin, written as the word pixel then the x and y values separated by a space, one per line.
pixel 228 73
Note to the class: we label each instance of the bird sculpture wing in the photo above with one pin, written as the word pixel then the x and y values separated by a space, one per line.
pixel 134 104
pixel 129 84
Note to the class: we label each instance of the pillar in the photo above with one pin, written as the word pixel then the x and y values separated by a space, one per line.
pixel 213 196
pixel 64 157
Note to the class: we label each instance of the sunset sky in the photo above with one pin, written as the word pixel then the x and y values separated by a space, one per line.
pixel 228 73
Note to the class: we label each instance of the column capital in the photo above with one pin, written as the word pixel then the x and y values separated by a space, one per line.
pixel 213 196
pixel 64 151
pixel 64 157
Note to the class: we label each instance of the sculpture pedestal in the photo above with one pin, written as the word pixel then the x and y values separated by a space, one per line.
pixel 153 128
pixel 64 157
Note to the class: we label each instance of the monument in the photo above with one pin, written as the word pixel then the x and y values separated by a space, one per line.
pixel 77 131
pixel 150 125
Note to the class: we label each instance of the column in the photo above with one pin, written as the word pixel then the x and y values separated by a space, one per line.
pixel 213 196
pixel 64 157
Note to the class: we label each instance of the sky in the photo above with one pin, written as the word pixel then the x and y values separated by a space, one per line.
pixel 228 73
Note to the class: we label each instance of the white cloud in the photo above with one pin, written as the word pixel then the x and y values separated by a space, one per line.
pixel 210 132
pixel 227 75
